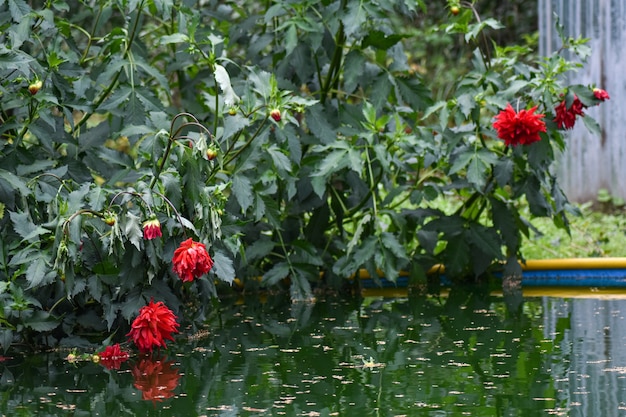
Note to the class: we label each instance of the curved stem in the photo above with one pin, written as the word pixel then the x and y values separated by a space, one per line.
pixel 113 83
pixel 178 216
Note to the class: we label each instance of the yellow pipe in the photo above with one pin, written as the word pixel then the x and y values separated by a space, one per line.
pixel 574 263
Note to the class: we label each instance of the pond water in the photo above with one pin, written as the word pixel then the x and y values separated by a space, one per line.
pixel 464 353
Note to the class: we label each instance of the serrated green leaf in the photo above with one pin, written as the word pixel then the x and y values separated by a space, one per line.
pixel 24 227
pixel 486 240
pixel 477 172
pixel 41 321
pixel 38 273
pixel 278 272
pixel 461 161
pixel 333 162
pixel 18 9
pixel 15 182
pixel 353 70
pixel 223 267
pixel 355 18
pixel 281 161
pixel 466 104
pixel 413 92
pixel 133 229
pixel 242 190
pixel 318 123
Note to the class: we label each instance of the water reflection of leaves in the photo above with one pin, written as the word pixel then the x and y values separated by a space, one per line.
pixel 156 379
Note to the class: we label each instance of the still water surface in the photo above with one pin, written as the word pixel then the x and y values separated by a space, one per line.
pixel 468 353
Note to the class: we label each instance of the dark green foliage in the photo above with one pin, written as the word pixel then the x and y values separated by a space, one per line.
pixel 296 140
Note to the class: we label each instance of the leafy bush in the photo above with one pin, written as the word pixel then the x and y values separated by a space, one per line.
pixel 291 138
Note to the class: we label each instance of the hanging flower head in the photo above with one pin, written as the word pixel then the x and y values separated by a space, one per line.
pixel 151 228
pixel 153 326
pixel 113 356
pixel 519 128
pixel 566 116
pixel 600 94
pixel 191 260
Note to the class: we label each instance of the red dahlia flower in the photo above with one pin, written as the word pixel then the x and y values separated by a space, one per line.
pixel 191 260
pixel 156 380
pixel 600 94
pixel 154 325
pixel 151 229
pixel 113 356
pixel 566 117
pixel 520 128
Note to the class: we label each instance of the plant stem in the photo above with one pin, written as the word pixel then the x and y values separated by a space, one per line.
pixel 113 83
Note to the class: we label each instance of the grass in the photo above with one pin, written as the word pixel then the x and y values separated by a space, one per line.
pixel 597 233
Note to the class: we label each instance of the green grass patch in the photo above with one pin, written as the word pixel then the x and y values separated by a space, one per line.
pixel 594 234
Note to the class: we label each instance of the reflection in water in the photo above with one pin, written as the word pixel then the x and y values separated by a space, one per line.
pixel 156 379
pixel 468 353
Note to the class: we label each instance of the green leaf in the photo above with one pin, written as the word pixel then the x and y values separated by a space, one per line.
pixel 317 121
pixel 379 40
pixel 353 70
pixel 355 18
pixel 466 104
pixel 223 267
pixel 413 92
pixel 133 229
pixel 259 249
pixel 461 161
pixel 281 161
pixel 333 162
pixel 18 9
pixel 486 240
pixel 24 227
pixel 38 273
pixel 278 272
pixel 592 125
pixel 15 182
pixel 242 189
pixel 173 38
pixel 41 321
pixel 477 172
pixel 457 256
pixel 234 124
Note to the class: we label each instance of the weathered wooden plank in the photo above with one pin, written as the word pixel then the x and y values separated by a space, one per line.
pixel 591 162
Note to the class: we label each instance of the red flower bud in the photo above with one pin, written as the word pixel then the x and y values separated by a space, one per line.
pixel 211 153
pixel 151 229
pixel 35 87
pixel 600 94
pixel 275 114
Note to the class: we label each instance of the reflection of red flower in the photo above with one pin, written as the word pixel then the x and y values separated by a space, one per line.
pixel 113 356
pixel 566 117
pixel 600 94
pixel 191 260
pixel 151 229
pixel 154 325
pixel 156 380
pixel 520 128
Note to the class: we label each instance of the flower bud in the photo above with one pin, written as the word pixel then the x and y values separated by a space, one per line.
pixel 275 114
pixel 600 94
pixel 109 219
pixel 211 153
pixel 152 229
pixel 35 87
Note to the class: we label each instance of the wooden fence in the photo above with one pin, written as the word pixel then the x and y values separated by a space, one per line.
pixel 591 163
